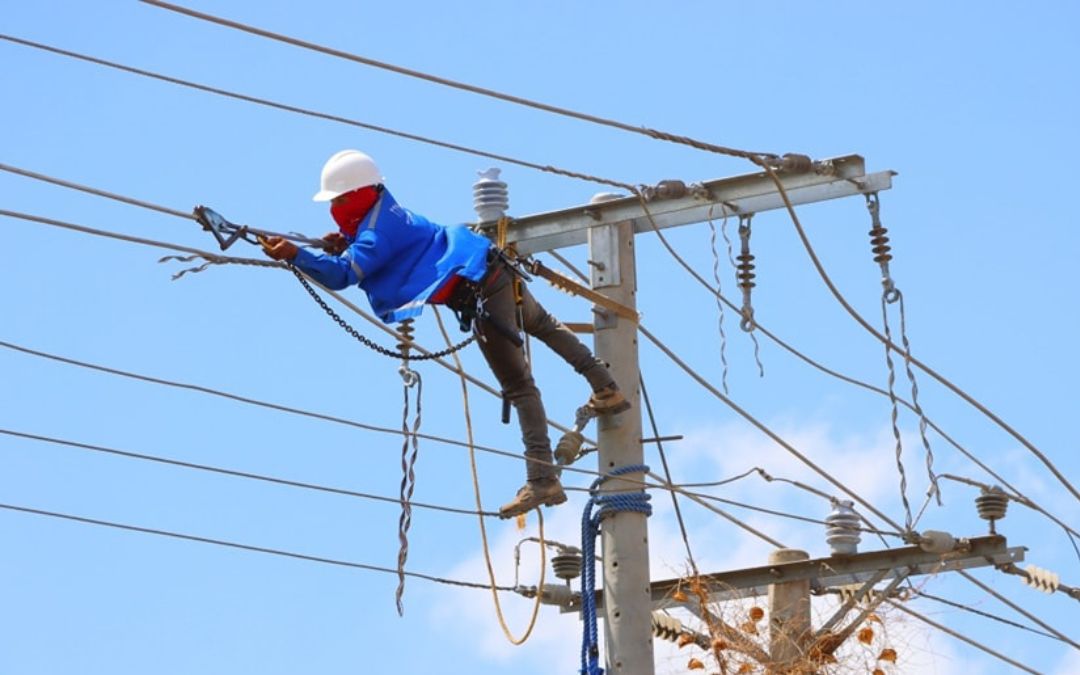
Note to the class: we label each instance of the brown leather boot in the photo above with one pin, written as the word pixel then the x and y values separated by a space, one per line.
pixel 541 492
pixel 609 401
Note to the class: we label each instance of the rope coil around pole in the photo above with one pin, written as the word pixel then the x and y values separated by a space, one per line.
pixel 605 504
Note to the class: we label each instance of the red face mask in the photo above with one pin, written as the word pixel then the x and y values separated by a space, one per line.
pixel 350 208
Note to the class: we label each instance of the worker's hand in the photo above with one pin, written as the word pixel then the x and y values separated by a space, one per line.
pixel 336 243
pixel 278 248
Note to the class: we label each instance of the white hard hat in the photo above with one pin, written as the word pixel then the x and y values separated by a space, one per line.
pixel 346 171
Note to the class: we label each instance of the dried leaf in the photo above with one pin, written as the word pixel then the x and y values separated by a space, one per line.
pixel 887 654
pixel 679 596
pixel 878 671
pixel 866 635
pixel 749 627
pixel 694 664
pixel 873 618
pixel 685 639
pixel 745 669
pixel 521 522
pixel 757 614
pixel 719 645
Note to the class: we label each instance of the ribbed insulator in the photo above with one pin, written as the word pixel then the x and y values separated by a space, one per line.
pixel 992 503
pixel 744 270
pixel 567 565
pixel 1040 579
pixel 665 627
pixel 491 198
pixel 842 528
pixel 879 244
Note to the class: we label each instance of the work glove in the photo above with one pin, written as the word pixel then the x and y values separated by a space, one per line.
pixel 278 248
pixel 336 243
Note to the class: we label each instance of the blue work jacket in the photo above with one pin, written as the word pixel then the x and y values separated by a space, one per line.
pixel 399 258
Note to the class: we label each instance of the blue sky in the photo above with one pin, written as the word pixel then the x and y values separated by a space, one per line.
pixel 974 105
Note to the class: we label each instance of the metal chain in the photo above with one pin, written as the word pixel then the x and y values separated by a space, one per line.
pixel 367 342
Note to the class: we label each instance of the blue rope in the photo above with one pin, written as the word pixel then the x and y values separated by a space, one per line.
pixel 605 504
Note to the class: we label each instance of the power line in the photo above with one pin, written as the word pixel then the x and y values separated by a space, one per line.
pixel 764 429
pixel 547 168
pixel 987 615
pixel 246 547
pixel 962 637
pixel 238 474
pixel 755 157
pixel 1017 608
pixel 730 403
pixel 820 268
pixel 246 261
pixel 662 238
pixel 165 245
pixel 806 359
pixel 338 420
pixel 236 397
pixel 400 70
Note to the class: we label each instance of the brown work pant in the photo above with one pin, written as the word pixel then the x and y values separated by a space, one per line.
pixel 511 368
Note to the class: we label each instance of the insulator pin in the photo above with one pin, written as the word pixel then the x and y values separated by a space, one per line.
pixel 666 627
pixel 879 244
pixel 842 528
pixel 992 504
pixel 567 565
pixel 1040 579
pixel 745 271
pixel 491 197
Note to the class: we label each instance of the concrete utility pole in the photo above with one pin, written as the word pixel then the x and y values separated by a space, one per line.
pixel 609 227
pixel 789 611
pixel 624 535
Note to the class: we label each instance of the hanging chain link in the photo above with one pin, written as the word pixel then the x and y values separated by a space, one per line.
pixel 367 342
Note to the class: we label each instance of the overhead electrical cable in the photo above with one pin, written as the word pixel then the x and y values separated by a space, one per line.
pixel 987 615
pixel 960 636
pixel 249 261
pixel 490 93
pixel 237 474
pixel 210 255
pixel 667 245
pixel 765 429
pixel 661 484
pixel 238 398
pixel 547 168
pixel 757 158
pixel 245 547
pixel 820 268
pixel 1017 608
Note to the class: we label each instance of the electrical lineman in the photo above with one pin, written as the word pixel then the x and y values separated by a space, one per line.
pixel 404 261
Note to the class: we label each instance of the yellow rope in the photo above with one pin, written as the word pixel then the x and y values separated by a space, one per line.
pixel 501 228
pixel 480 509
